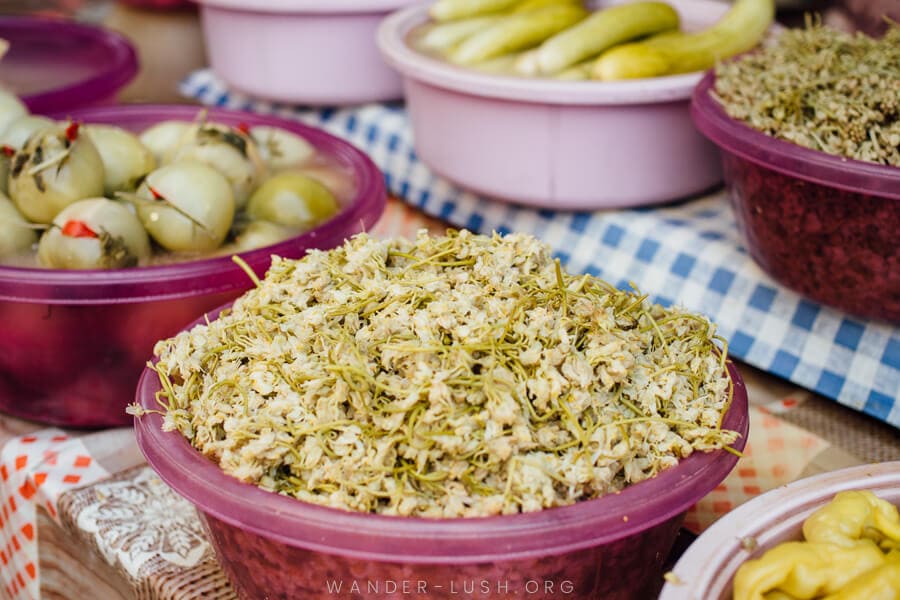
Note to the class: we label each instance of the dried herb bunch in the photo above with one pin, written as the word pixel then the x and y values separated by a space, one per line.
pixel 821 88
pixel 461 375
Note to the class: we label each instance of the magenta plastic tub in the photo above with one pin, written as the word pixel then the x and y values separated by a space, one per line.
pixel 55 65
pixel 73 343
pixel 160 4
pixel 313 52
pixel 823 225
pixel 567 145
pixel 706 570
pixel 274 546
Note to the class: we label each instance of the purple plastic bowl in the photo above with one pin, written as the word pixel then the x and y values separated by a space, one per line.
pixel 161 4
pixel 566 145
pixel 57 64
pixel 73 343
pixel 823 225
pixel 273 546
pixel 314 52
pixel 705 571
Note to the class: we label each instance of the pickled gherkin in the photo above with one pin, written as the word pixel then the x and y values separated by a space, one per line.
pixel 604 29
pixel 671 53
pixel 517 32
pixel 451 10
pixel 444 36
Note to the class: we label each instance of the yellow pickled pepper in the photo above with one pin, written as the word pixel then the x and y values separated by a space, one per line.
pixel 840 558
pixel 881 583
pixel 805 571
pixel 853 515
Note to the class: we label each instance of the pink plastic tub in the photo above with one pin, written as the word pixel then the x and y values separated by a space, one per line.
pixel 313 52
pixel 73 343
pixel 823 225
pixel 273 546
pixel 55 64
pixel 705 571
pixel 580 145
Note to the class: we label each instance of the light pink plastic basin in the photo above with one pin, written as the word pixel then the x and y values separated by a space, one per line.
pixel 273 546
pixel 706 569
pixel 579 145
pixel 73 343
pixel 313 52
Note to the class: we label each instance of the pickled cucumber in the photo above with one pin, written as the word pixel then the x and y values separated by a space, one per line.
pixel 452 10
pixel 444 36
pixel 517 32
pixel 529 5
pixel 739 30
pixel 604 29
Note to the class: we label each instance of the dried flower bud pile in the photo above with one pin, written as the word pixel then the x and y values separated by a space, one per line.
pixel 822 89
pixel 461 375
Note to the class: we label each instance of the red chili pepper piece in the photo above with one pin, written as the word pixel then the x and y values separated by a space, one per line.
pixel 156 194
pixel 78 229
pixel 72 131
pixel 243 128
pixel 8 150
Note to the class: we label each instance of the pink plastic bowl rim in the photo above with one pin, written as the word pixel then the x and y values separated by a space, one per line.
pixel 309 6
pixel 432 541
pixel 119 67
pixel 392 42
pixel 784 157
pixel 206 276
pixel 716 554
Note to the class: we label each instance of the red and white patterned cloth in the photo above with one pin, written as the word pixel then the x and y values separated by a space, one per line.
pixel 776 454
pixel 34 470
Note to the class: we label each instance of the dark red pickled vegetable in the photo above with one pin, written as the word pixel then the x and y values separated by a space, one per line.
pixel 837 247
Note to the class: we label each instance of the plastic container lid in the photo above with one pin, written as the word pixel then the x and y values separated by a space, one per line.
pixel 57 64
pixel 787 158
pixel 209 275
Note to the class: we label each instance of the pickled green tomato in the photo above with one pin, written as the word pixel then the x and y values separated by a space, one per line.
pixel 292 200
pixel 6 155
pixel 19 130
pixel 339 180
pixel 55 168
pixel 165 138
pixel 231 152
pixel 281 149
pixel 11 108
pixel 261 233
pixel 125 159
pixel 94 233
pixel 186 206
pixel 257 234
pixel 16 234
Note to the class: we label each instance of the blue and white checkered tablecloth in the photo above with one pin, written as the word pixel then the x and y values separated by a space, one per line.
pixel 689 254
